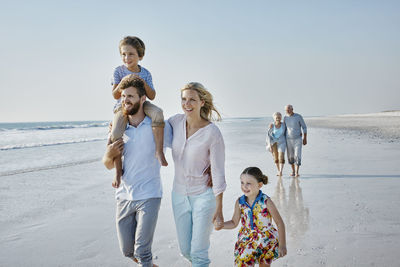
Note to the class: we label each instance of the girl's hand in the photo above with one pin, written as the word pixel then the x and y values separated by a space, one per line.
pixel 218 220
pixel 282 251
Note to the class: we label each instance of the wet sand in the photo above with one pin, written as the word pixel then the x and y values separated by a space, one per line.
pixel 378 125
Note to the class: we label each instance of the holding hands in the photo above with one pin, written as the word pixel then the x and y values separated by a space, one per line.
pixel 218 220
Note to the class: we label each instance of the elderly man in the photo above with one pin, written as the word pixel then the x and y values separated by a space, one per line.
pixel 294 127
pixel 139 194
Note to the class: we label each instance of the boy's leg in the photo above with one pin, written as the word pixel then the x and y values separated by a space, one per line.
pixel 117 131
pixel 157 123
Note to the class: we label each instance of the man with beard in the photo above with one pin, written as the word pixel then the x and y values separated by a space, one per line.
pixel 139 194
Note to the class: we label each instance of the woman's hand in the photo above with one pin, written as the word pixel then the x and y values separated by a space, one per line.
pixel 218 220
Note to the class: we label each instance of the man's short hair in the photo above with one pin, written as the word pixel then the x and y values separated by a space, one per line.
pixel 132 81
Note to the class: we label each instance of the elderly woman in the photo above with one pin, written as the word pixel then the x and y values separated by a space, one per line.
pixel 276 141
pixel 197 145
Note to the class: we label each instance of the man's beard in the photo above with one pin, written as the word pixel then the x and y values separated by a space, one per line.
pixel 135 108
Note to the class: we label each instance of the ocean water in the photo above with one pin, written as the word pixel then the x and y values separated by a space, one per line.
pixel 33 146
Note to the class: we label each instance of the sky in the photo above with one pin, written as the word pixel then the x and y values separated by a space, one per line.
pixel 323 57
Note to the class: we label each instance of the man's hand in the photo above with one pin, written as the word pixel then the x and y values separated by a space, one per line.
pixel 304 141
pixel 113 150
pixel 209 181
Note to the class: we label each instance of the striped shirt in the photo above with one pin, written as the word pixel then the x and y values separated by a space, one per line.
pixel 121 71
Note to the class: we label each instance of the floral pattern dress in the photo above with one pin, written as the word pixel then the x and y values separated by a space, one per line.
pixel 257 239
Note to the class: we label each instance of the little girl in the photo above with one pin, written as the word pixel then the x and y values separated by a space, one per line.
pixel 258 240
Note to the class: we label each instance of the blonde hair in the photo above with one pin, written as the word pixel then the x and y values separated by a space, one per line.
pixel 257 174
pixel 206 111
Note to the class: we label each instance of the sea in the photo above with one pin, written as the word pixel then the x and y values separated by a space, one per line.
pixel 34 146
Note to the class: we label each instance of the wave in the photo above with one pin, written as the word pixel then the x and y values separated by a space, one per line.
pixel 66 142
pixel 14 172
pixel 50 126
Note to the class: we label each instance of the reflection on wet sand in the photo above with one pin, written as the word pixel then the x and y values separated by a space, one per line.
pixel 292 210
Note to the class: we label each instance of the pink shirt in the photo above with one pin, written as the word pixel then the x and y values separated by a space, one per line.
pixel 194 155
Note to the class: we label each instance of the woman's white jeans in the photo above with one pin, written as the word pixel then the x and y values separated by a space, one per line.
pixel 193 220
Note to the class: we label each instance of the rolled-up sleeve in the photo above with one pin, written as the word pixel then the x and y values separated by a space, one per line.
pixel 168 134
pixel 303 124
pixel 217 162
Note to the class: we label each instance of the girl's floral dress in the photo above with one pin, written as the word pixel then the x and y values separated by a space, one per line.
pixel 257 239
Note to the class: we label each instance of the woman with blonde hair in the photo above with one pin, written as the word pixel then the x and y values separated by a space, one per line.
pixel 197 146
pixel 276 141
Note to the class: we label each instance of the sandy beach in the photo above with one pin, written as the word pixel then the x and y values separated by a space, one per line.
pixel 342 211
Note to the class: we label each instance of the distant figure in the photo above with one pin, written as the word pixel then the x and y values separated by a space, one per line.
pixel 294 127
pixel 258 240
pixel 276 141
pixel 132 51
pixel 197 145
pixel 139 195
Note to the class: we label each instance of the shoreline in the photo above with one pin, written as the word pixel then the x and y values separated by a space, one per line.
pixel 384 125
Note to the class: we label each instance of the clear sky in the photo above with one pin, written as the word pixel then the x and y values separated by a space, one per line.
pixel 323 57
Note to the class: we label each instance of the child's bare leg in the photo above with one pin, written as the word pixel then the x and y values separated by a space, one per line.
pixel 265 265
pixel 157 123
pixel 118 172
pixel 158 133
pixel 117 131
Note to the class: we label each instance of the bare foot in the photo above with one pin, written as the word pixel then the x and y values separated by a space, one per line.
pixel 293 174
pixel 297 175
pixel 161 158
pixel 117 181
pixel 278 174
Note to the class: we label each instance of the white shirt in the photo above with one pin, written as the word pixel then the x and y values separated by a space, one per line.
pixel 141 178
pixel 194 155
